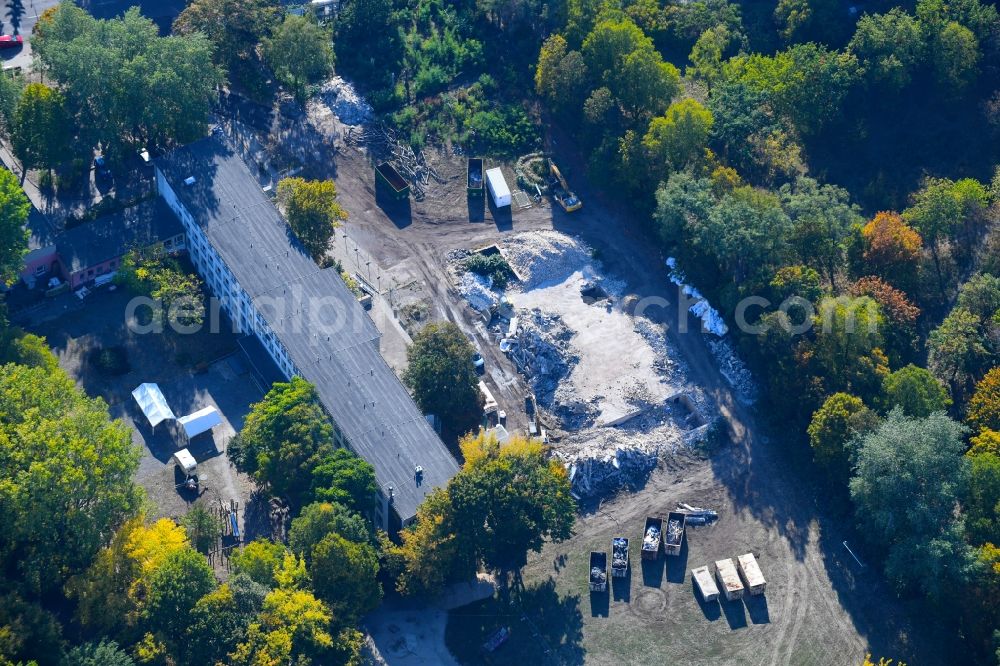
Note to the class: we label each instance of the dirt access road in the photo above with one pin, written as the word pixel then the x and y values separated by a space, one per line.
pixel 821 611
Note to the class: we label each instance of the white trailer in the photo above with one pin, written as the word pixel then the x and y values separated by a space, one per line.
pixel 498 187
pixel 706 586
pixel 729 579
pixel 750 572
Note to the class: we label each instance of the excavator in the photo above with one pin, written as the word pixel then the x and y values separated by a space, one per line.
pixel 560 190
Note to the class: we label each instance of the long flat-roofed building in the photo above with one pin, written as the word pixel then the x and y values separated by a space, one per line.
pixel 305 317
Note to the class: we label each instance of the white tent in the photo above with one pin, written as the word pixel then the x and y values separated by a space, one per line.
pixel 152 403
pixel 201 421
pixel 186 461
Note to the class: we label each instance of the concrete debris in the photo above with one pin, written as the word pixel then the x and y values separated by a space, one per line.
pixel 544 257
pixel 591 476
pixel 734 371
pixel 341 97
pixel 674 531
pixel 478 291
pixel 619 552
pixel 651 537
pixel 540 349
pixel 711 320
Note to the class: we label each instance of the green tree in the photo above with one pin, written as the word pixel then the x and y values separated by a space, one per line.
pixel 14 209
pixel 832 432
pixel 433 552
pixel 795 281
pixel 916 391
pixel 259 560
pixel 220 619
pixel 561 75
pixel 345 478
pixel 345 575
pixel 39 130
pixel 910 477
pixel 509 499
pixel 175 587
pixel 27 631
pixel 294 628
pixel 11 88
pixel 846 349
pixel 680 136
pixel 706 54
pixel 299 52
pixel 957 351
pixel 284 437
pixel 443 379
pixel 982 505
pixel 104 653
pixel 67 466
pixel 312 210
pixel 152 273
pixel 742 115
pixel 955 58
pixel 890 46
pixel 320 519
pixel 203 528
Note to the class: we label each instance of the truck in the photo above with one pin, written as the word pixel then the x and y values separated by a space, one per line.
pixel 675 533
pixel 651 538
pixel 729 579
pixel 474 177
pixel 598 571
pixel 707 588
pixel 498 187
pixel 750 573
pixel 392 181
pixel 619 557
pixel 560 190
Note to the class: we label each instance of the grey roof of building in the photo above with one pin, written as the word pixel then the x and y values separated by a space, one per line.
pixel 330 338
pixel 113 235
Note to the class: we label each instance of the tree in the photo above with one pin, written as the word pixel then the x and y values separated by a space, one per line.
pixel 795 281
pixel 175 587
pixel 220 619
pixel 294 627
pixel 443 379
pixel 14 209
pixel 916 391
pixel 152 273
pixel 345 478
pixel 104 653
pixel 11 88
pixel 846 350
pixel 52 438
pixel 984 406
pixel 957 352
pixel 299 52
pixel 508 499
pixel 320 519
pixel 260 560
pixel 40 127
pixel 832 432
pixel 432 552
pixel 235 28
pixel 987 441
pixel 890 46
pixel 284 438
pixel 982 505
pixel 822 217
pixel 900 313
pixel 743 115
pixel 203 528
pixel 680 136
pixel 706 54
pixel 891 249
pixel 910 477
pixel 345 575
pixel 561 75
pixel 312 210
pixel 955 58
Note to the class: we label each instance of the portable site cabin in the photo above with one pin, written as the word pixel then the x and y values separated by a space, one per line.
pixel 729 579
pixel 498 187
pixel 707 588
pixel 394 183
pixel 152 403
pixel 185 461
pixel 750 572
pixel 196 423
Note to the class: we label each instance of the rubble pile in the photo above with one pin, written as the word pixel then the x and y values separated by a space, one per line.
pixel 734 370
pixel 626 467
pixel 619 552
pixel 597 575
pixel 345 102
pixel 478 291
pixel 674 531
pixel 545 256
pixel 542 353
pixel 651 538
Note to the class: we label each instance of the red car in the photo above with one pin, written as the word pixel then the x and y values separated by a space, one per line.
pixel 11 41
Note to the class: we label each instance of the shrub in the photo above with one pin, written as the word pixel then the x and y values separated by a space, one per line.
pixel 493 266
pixel 111 361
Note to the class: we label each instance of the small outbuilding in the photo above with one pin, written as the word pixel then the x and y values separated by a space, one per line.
pixel 196 423
pixel 152 403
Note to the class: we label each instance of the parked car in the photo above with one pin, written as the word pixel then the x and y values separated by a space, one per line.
pixel 11 41
pixel 479 362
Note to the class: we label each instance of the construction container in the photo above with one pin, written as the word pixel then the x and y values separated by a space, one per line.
pixel 751 575
pixel 474 177
pixel 498 187
pixel 729 579
pixel 619 557
pixel 394 183
pixel 674 538
pixel 651 538
pixel 707 588
pixel 598 571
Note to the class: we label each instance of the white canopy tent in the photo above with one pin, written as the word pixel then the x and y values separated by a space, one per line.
pixel 201 421
pixel 152 403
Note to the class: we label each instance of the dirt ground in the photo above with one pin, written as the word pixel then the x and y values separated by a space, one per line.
pixel 820 607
